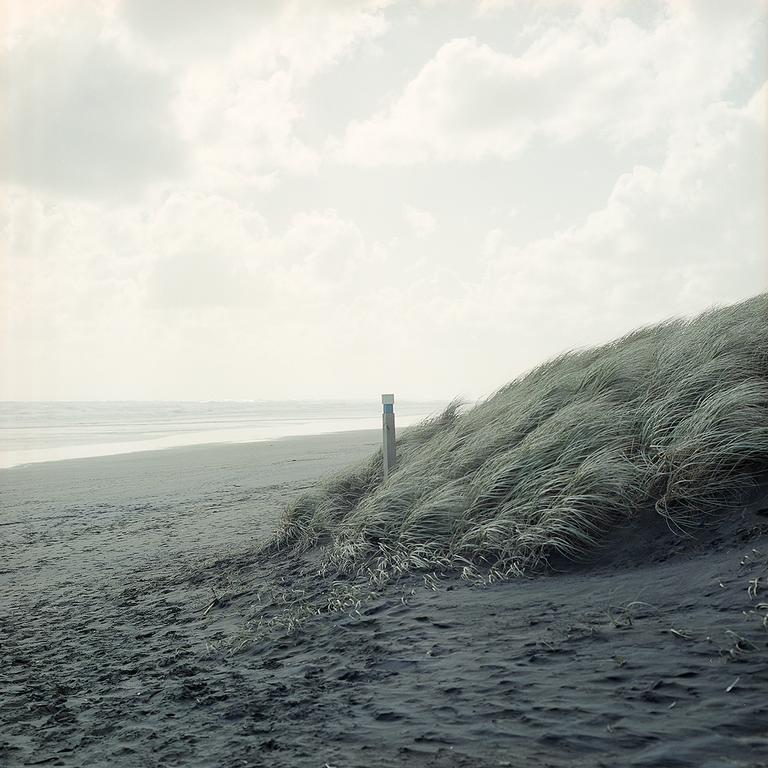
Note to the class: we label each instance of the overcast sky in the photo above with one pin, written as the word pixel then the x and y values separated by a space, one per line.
pixel 238 199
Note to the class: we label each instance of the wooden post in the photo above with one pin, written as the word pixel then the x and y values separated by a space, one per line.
pixel 388 423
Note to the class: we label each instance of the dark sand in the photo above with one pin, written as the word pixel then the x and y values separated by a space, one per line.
pixel 114 651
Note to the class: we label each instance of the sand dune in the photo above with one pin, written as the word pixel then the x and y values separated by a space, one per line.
pixel 671 418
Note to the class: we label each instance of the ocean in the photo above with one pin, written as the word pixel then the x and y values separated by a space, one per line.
pixel 32 432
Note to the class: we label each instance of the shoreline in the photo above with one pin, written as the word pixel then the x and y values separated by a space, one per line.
pixel 213 445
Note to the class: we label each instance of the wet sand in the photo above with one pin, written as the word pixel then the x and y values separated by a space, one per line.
pixel 138 628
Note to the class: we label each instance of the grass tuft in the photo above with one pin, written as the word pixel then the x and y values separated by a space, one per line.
pixel 672 417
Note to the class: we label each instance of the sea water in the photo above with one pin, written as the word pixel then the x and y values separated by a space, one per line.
pixel 50 431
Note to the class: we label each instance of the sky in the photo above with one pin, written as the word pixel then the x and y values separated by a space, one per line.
pixel 332 199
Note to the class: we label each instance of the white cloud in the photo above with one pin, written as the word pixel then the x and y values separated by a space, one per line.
pixel 492 242
pixel 299 38
pixel 241 126
pixel 634 190
pixel 196 275
pixel 105 97
pixel 666 236
pixel 79 117
pixel 615 79
pixel 241 69
pixel 421 222
pixel 202 251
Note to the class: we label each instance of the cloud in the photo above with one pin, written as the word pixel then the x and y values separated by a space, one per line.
pixel 189 251
pixel 129 302
pixel 289 35
pixel 242 127
pixel 492 241
pixel 201 283
pixel 105 98
pixel 208 252
pixel 421 222
pixel 202 251
pixel 241 70
pixel 241 257
pixel 615 79
pixel 79 117
pixel 196 28
pixel 666 237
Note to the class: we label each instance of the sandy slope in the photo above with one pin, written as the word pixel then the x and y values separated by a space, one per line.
pixel 125 580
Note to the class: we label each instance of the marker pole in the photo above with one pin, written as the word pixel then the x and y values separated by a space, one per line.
pixel 388 423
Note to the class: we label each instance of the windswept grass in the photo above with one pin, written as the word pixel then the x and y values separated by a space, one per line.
pixel 673 416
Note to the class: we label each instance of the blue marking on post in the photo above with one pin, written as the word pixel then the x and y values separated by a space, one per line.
pixel 389 408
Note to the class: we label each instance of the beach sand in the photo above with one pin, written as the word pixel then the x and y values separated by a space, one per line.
pixel 127 581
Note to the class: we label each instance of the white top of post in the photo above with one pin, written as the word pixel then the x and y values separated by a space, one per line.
pixel 387 399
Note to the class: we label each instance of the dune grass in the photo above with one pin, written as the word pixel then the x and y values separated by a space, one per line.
pixel 672 417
